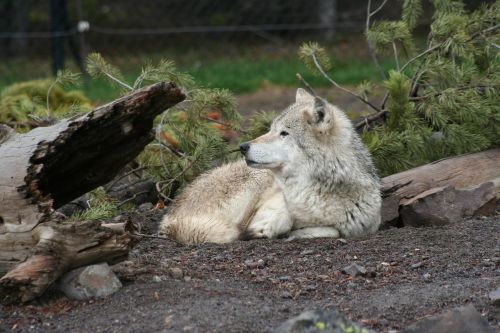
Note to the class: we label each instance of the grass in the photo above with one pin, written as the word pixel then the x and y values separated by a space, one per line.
pixel 240 74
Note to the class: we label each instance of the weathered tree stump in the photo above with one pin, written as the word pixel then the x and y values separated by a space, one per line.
pixel 50 166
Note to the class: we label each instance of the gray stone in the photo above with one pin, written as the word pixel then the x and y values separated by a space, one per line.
pixel 354 270
pixel 494 297
pixel 320 321
pixel 90 281
pixel 464 319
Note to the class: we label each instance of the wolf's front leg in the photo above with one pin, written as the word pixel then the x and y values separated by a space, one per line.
pixel 314 232
pixel 271 219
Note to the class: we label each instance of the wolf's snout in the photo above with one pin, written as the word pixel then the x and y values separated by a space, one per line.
pixel 244 147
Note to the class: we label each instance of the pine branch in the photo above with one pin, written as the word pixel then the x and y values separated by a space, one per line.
pixel 98 67
pixel 320 69
pixel 439 93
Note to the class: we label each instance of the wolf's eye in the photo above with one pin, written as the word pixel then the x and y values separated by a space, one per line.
pixel 283 134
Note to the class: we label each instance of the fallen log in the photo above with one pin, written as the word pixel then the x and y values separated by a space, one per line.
pixel 50 166
pixel 455 173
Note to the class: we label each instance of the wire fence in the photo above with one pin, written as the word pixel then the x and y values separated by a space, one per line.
pixel 43 29
pixel 110 24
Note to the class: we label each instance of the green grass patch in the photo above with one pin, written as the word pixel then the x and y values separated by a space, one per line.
pixel 240 75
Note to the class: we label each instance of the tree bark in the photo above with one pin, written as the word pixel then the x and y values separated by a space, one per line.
pixel 50 166
pixel 462 172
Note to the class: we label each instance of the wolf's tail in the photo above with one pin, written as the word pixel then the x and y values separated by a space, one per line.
pixel 200 229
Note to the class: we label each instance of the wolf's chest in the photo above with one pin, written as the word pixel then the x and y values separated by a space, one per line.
pixel 308 207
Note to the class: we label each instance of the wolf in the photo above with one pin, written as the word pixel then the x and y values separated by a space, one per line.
pixel 309 176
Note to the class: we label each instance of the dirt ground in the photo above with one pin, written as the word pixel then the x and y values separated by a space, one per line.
pixel 277 98
pixel 253 286
pixel 256 285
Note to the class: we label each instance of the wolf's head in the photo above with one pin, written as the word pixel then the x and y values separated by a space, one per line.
pixel 307 129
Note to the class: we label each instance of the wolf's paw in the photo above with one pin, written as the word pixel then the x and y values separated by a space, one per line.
pixel 262 229
pixel 314 232
pixel 268 228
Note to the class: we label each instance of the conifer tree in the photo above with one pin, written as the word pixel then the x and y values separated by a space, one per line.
pixel 442 99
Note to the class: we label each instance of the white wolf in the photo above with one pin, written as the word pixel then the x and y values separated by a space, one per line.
pixel 309 176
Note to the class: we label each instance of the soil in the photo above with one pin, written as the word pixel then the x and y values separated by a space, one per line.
pixel 253 286
pixel 277 98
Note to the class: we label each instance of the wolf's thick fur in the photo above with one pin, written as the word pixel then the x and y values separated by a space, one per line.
pixel 309 176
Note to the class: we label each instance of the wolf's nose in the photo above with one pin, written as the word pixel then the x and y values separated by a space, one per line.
pixel 244 148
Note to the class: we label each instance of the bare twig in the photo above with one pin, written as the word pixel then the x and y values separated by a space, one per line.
pixel 170 181
pixel 395 50
pixel 121 83
pixel 125 175
pixel 171 149
pixel 370 119
pixel 371 49
pixel 306 85
pixel 56 81
pixel 156 237
pixel 379 8
pixel 429 50
pixel 318 66
pixel 131 198
pixel 386 98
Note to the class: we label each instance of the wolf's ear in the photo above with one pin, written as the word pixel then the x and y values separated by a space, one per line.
pixel 302 96
pixel 318 116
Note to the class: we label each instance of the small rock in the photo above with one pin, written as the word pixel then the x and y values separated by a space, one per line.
pixel 91 281
pixel 417 265
pixel 383 322
pixel 254 263
pixel 427 276
pixel 352 285
pixel 156 278
pixel 306 252
pixel 464 319
pixel 187 278
pixel 487 263
pixel 371 273
pixel 176 273
pixel 494 297
pixel 320 321
pixel 310 287
pixel 354 270
pixel 285 278
pixel 286 295
pixel 145 207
